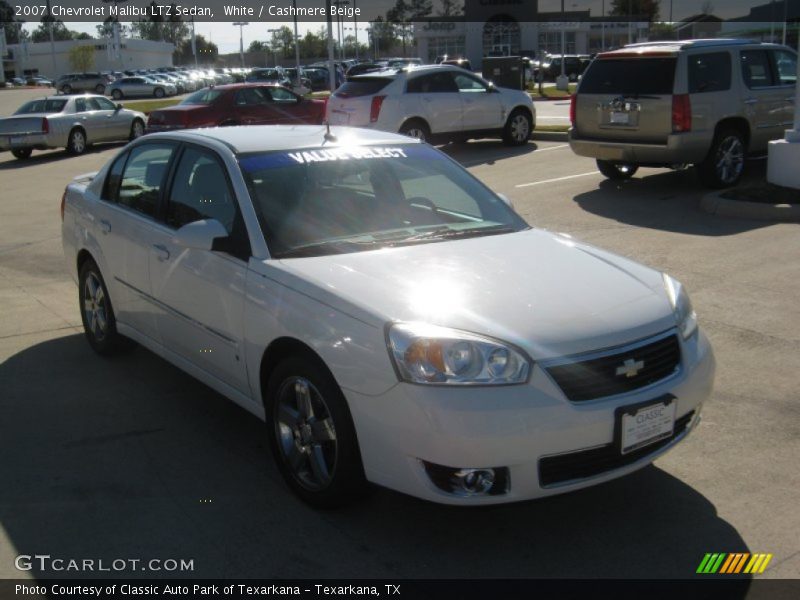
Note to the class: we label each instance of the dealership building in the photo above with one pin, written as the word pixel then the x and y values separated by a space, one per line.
pixel 516 27
pixel 42 58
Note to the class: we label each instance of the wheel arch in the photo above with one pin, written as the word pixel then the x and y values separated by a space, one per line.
pixel 739 123
pixel 408 120
pixel 280 349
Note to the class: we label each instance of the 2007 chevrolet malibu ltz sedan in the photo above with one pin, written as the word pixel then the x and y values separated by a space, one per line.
pixel 391 318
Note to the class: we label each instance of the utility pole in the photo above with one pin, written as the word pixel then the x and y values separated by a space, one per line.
pixel 194 45
pixel 52 39
pixel 355 23
pixel 241 25
pixel 331 61
pixel 274 52
pixel 296 47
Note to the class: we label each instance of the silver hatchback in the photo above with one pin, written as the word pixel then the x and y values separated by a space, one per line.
pixel 706 103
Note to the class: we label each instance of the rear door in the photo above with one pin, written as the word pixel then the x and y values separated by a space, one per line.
pixel 118 122
pixel 785 67
pixel 438 100
pixel 764 98
pixel 627 98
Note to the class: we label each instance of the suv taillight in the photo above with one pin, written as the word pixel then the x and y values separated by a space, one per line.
pixel 45 125
pixel 681 113
pixel 573 108
pixel 375 108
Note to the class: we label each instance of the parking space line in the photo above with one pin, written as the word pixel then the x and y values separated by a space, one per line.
pixel 557 179
pixel 552 147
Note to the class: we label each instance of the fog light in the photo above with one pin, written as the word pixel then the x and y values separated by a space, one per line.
pixel 469 481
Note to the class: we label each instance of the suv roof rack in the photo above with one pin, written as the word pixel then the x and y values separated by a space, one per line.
pixel 694 43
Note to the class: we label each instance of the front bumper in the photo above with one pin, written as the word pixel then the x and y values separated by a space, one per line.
pixel 509 426
pixel 683 148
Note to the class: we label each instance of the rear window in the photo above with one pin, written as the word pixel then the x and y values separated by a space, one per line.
pixel 629 76
pixel 41 106
pixel 204 96
pixel 709 72
pixel 362 86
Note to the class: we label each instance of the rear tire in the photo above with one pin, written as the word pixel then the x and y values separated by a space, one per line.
pixel 312 435
pixel 97 313
pixel 518 128
pixel 67 89
pixel 137 129
pixel 416 129
pixel 76 144
pixel 724 165
pixel 100 89
pixel 616 171
pixel 158 92
pixel 116 94
pixel 22 153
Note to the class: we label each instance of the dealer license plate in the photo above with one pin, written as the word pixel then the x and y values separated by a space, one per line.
pixel 647 424
pixel 339 117
pixel 16 140
pixel 619 118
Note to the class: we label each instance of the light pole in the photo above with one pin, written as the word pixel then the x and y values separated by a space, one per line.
pixel 603 26
pixel 241 26
pixel 296 47
pixel 562 82
pixel 355 24
pixel 331 62
pixel 52 40
pixel 274 52
pixel 340 3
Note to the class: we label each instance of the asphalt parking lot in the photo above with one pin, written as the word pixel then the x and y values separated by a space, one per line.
pixel 131 458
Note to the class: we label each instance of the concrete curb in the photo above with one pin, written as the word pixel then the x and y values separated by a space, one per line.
pixel 715 204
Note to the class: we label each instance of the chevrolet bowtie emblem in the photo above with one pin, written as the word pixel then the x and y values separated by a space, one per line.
pixel 630 368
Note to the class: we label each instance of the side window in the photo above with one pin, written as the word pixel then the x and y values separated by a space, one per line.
pixel 113 179
pixel 200 190
pixel 432 84
pixel 282 95
pixel 785 67
pixel 105 104
pixel 144 177
pixel 92 104
pixel 709 72
pixel 756 71
pixel 80 105
pixel 466 83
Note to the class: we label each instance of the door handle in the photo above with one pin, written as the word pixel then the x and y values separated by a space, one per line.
pixel 751 101
pixel 105 226
pixel 161 252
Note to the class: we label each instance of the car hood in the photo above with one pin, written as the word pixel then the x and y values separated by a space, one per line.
pixel 538 290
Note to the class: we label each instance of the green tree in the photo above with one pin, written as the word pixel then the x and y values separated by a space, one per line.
pixel 60 31
pixel 257 46
pixel 10 24
pixel 450 8
pixel 106 28
pixel 314 44
pixel 419 8
pixel 207 52
pixel 81 58
pixel 157 28
pixel 399 13
pixel 637 8
pixel 80 35
pixel 282 42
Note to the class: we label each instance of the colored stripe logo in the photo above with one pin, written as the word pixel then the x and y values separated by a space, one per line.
pixel 733 563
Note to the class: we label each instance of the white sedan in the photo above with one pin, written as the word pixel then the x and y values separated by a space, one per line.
pixel 391 318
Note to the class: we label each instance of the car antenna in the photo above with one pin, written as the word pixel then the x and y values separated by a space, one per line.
pixel 329 137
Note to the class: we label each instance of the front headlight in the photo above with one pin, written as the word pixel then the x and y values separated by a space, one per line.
pixel 438 355
pixel 681 306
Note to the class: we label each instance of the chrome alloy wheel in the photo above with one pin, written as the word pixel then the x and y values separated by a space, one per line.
pixel 78 140
pixel 138 129
pixel 729 160
pixel 95 306
pixel 520 129
pixel 416 132
pixel 306 433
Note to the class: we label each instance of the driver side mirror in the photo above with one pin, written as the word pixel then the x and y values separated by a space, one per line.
pixel 200 235
pixel 119 106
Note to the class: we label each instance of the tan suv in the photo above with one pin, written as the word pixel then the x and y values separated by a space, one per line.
pixel 707 103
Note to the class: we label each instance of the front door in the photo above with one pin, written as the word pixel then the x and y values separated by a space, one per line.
pixel 199 293
pixel 439 100
pixel 764 99
pixel 481 104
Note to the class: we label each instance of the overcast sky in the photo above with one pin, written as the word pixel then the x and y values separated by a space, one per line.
pixel 226 36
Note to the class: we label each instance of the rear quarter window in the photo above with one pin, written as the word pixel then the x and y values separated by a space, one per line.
pixel 629 76
pixel 709 72
pixel 367 86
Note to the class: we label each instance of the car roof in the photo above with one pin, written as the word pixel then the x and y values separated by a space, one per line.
pixel 266 138
pixel 409 70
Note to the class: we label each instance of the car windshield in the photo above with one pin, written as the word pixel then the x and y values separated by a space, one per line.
pixel 204 96
pixel 353 198
pixel 49 105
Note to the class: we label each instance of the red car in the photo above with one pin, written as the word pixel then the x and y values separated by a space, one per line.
pixel 238 104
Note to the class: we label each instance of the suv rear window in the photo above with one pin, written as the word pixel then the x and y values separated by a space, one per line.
pixel 709 72
pixel 629 76
pixel 362 86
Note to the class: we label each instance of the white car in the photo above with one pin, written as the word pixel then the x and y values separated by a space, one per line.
pixel 391 318
pixel 433 102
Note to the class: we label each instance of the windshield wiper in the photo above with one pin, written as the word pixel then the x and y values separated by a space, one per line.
pixel 448 233
pixel 326 247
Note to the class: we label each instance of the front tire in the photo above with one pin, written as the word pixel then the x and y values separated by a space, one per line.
pixel 67 89
pixel 97 313
pixel 22 153
pixel 158 92
pixel 312 435
pixel 616 171
pixel 518 128
pixel 76 144
pixel 724 165
pixel 416 129
pixel 137 129
pixel 100 89
pixel 116 94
